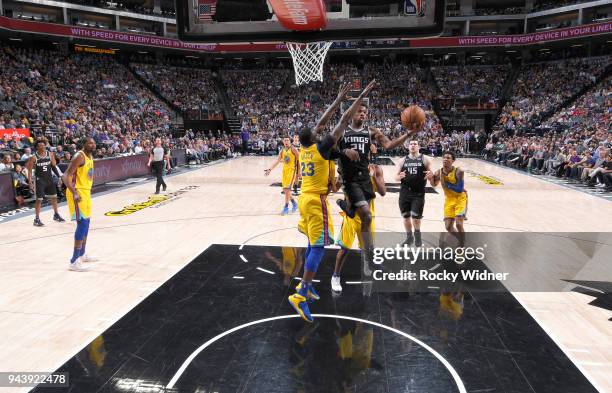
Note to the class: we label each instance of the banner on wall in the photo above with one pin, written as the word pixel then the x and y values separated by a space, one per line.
pixel 517 39
pixel 170 43
pixel 7 191
pixel 10 132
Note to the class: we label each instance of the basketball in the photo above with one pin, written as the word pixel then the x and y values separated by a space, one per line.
pixel 413 117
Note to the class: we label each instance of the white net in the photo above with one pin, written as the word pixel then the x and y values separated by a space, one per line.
pixel 308 60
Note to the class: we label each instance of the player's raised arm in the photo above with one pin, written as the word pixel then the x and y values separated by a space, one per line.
pixel 387 143
pixel 350 112
pixel 322 123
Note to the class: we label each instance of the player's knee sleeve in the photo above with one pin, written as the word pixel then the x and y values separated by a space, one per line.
pixel 82 229
pixel 314 258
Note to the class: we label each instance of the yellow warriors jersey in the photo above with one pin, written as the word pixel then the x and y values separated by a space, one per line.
pixel 449 178
pixel 317 172
pixel 83 178
pixel 351 227
pixel 288 158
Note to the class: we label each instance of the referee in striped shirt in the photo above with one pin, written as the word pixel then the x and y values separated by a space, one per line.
pixel 157 161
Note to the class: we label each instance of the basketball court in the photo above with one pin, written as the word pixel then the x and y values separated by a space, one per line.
pixel 190 290
pixel 190 295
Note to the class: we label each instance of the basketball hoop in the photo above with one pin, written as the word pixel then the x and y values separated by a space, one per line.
pixel 308 60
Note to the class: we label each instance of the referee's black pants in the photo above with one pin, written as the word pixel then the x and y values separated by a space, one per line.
pixel 158 170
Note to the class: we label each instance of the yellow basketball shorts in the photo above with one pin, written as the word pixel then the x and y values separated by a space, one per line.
pixel 455 206
pixel 315 219
pixel 82 208
pixel 351 228
pixel 289 177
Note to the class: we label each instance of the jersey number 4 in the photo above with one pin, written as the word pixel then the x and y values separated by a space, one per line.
pixel 307 169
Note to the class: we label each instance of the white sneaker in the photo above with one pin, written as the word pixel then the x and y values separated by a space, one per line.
pixel 88 258
pixel 77 266
pixel 600 185
pixel 335 284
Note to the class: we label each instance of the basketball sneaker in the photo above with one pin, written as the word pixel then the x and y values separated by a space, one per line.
pixel 88 258
pixel 299 304
pixel 285 211
pixel 409 239
pixel 58 218
pixel 345 208
pixel 366 260
pixel 335 284
pixel 77 266
pixel 294 206
pixel 38 223
pixel 312 294
pixel 418 242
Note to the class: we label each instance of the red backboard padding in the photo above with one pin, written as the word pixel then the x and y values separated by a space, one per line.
pixel 300 15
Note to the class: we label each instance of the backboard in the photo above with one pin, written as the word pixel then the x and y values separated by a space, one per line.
pixel 250 21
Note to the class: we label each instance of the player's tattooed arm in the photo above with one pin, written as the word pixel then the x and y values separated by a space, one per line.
pixel 30 167
pixel 77 161
pixel 350 112
pixel 322 123
pixel 54 167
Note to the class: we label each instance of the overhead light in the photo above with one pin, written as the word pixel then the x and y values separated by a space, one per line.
pixel 544 49
pixel 576 46
pixel 192 57
pixel 481 53
pixel 143 51
pixel 510 51
pixel 428 54
pixel 15 39
pixel 453 53
pixel 56 43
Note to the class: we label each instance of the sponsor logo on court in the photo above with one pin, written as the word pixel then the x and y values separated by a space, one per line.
pixel 155 201
pixel 12 213
pixel 485 179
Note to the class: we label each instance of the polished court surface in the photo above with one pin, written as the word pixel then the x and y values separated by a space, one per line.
pixel 166 286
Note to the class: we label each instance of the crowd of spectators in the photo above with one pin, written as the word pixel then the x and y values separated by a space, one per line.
pixel 575 144
pixel 542 5
pixel 542 88
pixel 166 10
pixel 471 81
pixel 66 97
pixel 275 111
pixel 498 11
pixel 186 88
